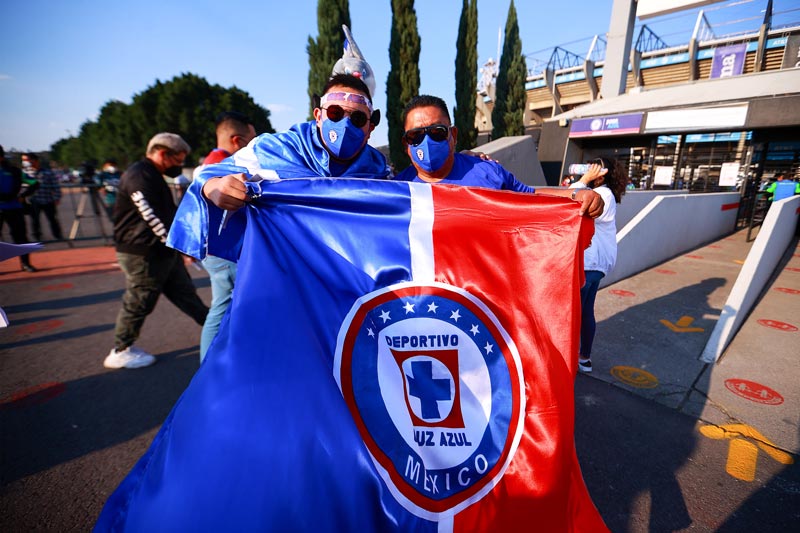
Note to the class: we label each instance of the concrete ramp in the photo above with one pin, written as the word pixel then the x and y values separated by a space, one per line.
pixel 518 156
pixel 669 226
pixel 773 239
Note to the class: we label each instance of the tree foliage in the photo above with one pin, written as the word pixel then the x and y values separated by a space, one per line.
pixel 326 49
pixel 509 102
pixel 466 75
pixel 402 84
pixel 186 105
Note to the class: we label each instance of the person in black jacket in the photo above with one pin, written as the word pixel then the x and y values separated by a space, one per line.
pixel 11 209
pixel 143 215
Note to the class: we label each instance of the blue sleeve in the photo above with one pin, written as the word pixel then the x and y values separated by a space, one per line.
pixel 197 228
pixel 511 183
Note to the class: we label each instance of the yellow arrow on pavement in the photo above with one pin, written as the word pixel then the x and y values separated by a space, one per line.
pixel 743 454
pixel 681 326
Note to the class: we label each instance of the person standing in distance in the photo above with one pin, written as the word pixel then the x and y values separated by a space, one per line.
pixel 143 214
pixel 607 178
pixel 234 131
pixel 11 209
pixel 45 199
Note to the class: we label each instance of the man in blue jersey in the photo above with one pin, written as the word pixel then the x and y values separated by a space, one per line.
pixel 334 144
pixel 431 139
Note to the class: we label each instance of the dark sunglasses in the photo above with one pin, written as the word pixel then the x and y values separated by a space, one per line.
pixel 437 133
pixel 337 113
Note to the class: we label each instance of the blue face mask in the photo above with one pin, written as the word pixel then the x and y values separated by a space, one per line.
pixel 430 155
pixel 342 138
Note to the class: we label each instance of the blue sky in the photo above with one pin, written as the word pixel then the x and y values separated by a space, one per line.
pixel 62 60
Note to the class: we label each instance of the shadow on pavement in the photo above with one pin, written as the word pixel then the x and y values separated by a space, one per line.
pixel 91 414
pixel 621 474
pixel 631 448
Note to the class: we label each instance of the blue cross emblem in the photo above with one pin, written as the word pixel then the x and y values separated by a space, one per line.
pixel 422 385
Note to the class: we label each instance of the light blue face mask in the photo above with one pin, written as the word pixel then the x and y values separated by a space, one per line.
pixel 430 155
pixel 343 139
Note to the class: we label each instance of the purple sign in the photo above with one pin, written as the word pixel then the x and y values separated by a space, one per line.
pixel 610 125
pixel 728 61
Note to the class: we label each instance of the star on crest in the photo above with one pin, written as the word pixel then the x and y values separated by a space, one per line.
pixel 385 316
pixel 455 315
pixel 488 348
pixel 474 329
pixel 409 307
pixel 432 307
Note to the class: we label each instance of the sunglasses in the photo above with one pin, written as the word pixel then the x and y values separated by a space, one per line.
pixel 437 133
pixel 337 113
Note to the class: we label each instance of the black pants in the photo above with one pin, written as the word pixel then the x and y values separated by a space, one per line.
pixel 146 278
pixel 49 211
pixel 16 225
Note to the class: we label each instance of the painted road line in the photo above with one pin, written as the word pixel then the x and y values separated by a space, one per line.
pixel 635 377
pixel 776 324
pixel 36 395
pixel 787 290
pixel 755 392
pixel 684 325
pixel 57 287
pixel 623 293
pixel 665 271
pixel 742 453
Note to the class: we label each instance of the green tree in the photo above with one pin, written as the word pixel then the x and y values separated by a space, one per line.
pixel 187 105
pixel 509 102
pixel 327 48
pixel 466 75
pixel 402 83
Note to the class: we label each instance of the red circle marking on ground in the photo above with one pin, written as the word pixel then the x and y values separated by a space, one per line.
pixel 620 292
pixel 39 327
pixel 775 324
pixel 690 256
pixel 755 392
pixel 663 271
pixel 57 287
pixel 714 246
pixel 793 269
pixel 787 290
pixel 36 395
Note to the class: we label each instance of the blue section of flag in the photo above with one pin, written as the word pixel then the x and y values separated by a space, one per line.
pixel 262 439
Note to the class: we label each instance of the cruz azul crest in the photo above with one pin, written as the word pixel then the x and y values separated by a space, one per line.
pixel 434 383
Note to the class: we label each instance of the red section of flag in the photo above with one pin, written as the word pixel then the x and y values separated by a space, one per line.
pixel 543 484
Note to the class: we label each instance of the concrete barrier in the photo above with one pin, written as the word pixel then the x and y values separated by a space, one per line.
pixel 671 225
pixel 518 155
pixel 636 200
pixel 774 237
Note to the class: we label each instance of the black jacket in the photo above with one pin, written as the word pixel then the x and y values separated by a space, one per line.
pixel 144 211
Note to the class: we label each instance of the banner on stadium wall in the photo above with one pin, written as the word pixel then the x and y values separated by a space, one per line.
pixel 728 61
pixel 629 124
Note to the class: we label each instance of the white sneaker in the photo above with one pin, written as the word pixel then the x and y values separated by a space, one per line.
pixel 130 357
pixel 585 365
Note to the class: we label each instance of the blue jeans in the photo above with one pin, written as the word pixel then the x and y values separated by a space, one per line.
pixel 588 323
pixel 222 274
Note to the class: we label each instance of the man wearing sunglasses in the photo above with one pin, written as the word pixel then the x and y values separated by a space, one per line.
pixel 334 144
pixel 431 140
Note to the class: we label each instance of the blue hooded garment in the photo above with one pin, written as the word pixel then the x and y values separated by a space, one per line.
pixel 296 153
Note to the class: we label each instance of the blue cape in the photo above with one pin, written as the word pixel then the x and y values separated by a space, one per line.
pixel 295 153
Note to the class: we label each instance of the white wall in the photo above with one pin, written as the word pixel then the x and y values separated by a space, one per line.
pixel 668 226
pixel 774 237
pixel 518 155
pixel 636 200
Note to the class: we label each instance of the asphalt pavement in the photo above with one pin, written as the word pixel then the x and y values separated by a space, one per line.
pixel 665 442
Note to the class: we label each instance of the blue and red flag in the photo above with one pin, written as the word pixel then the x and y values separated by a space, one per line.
pixel 397 357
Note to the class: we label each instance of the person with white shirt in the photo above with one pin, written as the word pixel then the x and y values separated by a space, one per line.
pixel 608 178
